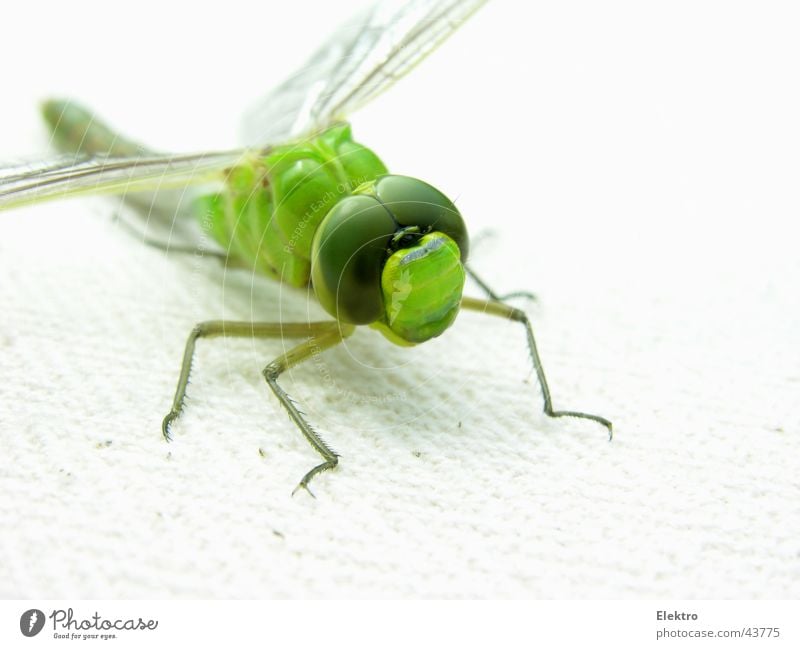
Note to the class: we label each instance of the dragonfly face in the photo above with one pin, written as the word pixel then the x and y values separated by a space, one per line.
pixel 392 255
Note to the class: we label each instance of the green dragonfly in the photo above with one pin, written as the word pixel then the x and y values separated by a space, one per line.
pixel 306 204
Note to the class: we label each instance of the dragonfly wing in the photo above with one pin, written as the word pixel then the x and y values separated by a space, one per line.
pixel 361 60
pixel 23 183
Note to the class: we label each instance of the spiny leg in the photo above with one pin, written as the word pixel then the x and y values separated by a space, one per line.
pixel 315 345
pixel 237 330
pixel 491 294
pixel 505 311
pixel 181 249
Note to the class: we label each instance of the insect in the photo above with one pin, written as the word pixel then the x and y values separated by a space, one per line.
pixel 305 204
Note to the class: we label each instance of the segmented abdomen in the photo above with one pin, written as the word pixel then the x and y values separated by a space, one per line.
pixel 75 129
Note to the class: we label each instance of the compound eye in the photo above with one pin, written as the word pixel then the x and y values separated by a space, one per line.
pixel 414 202
pixel 347 258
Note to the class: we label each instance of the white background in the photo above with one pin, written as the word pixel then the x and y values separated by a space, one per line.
pixel 638 163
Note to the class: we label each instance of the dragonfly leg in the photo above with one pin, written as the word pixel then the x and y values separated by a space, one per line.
pixel 491 294
pixel 215 328
pixel 504 311
pixel 311 347
pixel 224 259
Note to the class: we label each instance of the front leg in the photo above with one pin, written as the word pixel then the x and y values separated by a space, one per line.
pixel 321 336
pixel 215 328
pixel 492 307
pixel 491 294
pixel 313 346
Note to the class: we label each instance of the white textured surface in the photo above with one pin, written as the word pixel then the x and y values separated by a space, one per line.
pixel 650 200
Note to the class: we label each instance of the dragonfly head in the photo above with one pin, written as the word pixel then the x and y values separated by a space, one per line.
pixel 392 255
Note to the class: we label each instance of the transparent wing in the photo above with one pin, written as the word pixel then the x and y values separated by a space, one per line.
pixel 22 183
pixel 361 60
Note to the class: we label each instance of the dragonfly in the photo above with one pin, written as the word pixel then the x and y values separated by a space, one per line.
pixel 304 203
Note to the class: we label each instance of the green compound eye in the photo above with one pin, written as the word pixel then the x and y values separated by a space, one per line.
pixel 347 256
pixel 414 202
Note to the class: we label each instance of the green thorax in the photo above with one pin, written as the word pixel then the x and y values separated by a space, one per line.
pixel 266 214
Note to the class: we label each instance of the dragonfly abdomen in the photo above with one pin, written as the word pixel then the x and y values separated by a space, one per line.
pixel 75 129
